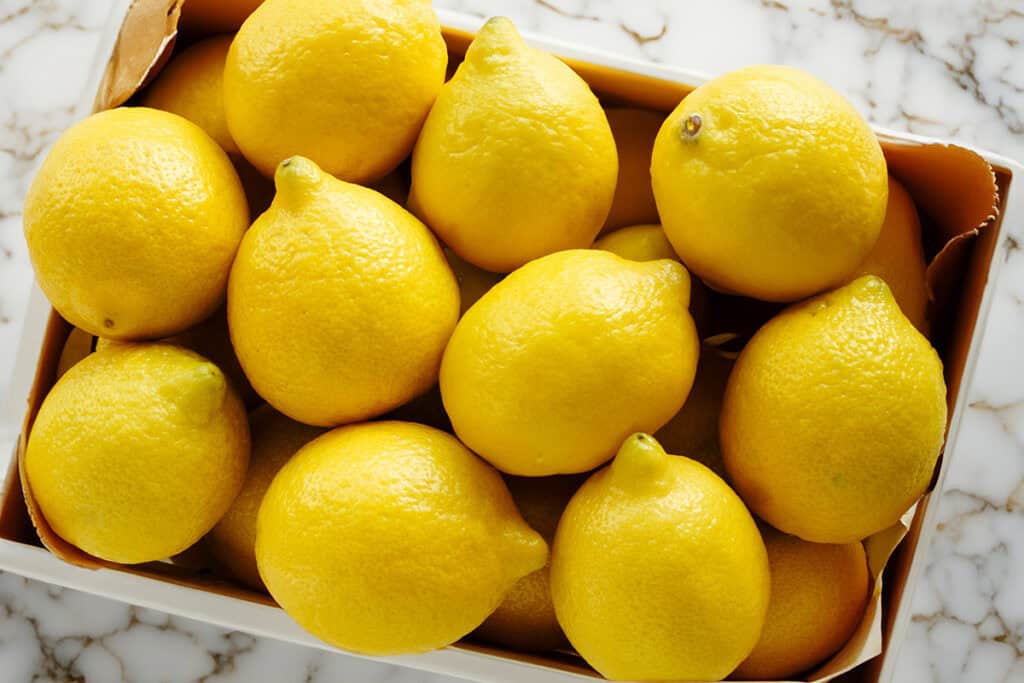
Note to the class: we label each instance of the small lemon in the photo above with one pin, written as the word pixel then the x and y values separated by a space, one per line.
pixel 658 572
pixel 473 282
pixel 834 415
pixel 898 257
pixel 819 593
pixel 552 368
pixel 526 619
pixel 137 452
pixel 275 439
pixel 340 302
pixel 192 86
pixel 634 131
pixel 132 223
pixel 391 538
pixel 769 184
pixel 516 159
pixel 346 83
pixel 638 243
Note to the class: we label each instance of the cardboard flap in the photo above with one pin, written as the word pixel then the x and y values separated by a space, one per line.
pixel 144 43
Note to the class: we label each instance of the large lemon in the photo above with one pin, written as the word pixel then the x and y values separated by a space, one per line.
pixel 552 368
pixel 346 83
pixel 192 86
pixel 769 184
pixel 275 439
pixel 834 415
pixel 658 572
pixel 132 223
pixel 819 592
pixel 391 538
pixel 340 302
pixel 137 452
pixel 516 159
pixel 526 619
pixel 898 257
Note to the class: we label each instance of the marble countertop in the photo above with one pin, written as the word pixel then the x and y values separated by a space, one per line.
pixel 949 68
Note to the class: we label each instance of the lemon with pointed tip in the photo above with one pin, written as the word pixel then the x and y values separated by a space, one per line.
pixel 192 86
pixel 834 415
pixel 516 159
pixel 659 548
pixel 634 131
pixel 137 451
pixel 769 183
pixel 340 302
pixel 898 256
pixel 638 243
pixel 559 362
pixel 275 439
pixel 391 538
pixel 132 223
pixel 346 83
pixel 819 593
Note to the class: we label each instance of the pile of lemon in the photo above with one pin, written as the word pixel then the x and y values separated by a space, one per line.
pixel 461 385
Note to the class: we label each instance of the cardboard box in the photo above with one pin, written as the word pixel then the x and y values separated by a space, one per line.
pixel 964 198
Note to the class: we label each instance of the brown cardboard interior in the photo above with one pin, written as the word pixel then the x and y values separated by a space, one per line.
pixel 955 191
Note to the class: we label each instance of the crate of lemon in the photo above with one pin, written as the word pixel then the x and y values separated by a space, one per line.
pixel 487 361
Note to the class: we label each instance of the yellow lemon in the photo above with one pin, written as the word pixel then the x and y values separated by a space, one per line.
pixel 192 86
pixel 819 592
pixel 693 431
pixel 638 243
pixel 275 439
pixel 526 619
pixel 217 16
pixel 658 572
pixel 340 302
pixel 391 538
pixel 563 359
pixel 834 415
pixel 137 452
pixel 634 131
pixel 473 282
pixel 211 340
pixel 132 223
pixel 898 257
pixel 516 159
pixel 769 184
pixel 346 83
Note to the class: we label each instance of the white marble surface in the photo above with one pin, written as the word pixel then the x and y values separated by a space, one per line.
pixel 942 67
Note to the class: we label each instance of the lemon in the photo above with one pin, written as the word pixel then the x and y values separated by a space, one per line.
pixel 769 184
pixel 834 415
pixel 275 439
pixel 898 257
pixel 340 302
pixel 567 356
pixel 658 572
pixel 634 131
pixel 192 86
pixel 132 223
pixel 346 83
pixel 391 538
pixel 211 340
pixel 638 243
pixel 693 431
pixel 137 452
pixel 217 15
pixel 473 282
pixel 526 619
pixel 516 159
pixel 819 593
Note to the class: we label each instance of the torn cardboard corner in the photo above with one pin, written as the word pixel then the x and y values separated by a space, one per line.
pixel 953 188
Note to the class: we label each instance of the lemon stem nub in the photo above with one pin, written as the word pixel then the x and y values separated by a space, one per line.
pixel 295 176
pixel 640 458
pixel 691 126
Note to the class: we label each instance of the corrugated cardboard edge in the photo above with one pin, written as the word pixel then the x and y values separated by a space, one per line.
pixel 145 42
